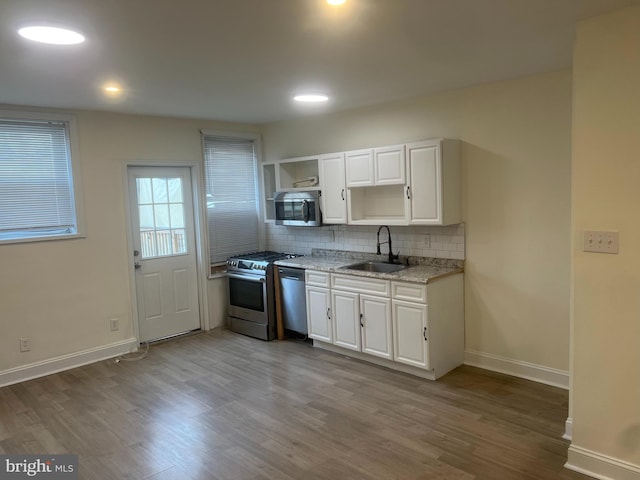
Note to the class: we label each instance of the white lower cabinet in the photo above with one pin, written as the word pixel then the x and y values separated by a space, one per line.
pixel 361 321
pixel 319 314
pixel 375 321
pixel 346 324
pixel 319 317
pixel 412 327
pixel 428 324
pixel 410 334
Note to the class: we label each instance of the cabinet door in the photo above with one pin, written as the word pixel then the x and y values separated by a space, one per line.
pixel 346 319
pixel 389 165
pixel 334 189
pixel 319 314
pixel 269 183
pixel 376 326
pixel 425 195
pixel 359 168
pixel 410 334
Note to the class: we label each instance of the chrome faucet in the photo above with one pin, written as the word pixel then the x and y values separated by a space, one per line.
pixel 392 257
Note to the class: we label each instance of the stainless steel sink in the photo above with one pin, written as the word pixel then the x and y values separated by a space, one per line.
pixel 377 267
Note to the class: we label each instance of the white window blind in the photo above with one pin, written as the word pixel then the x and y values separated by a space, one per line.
pixel 232 210
pixel 36 184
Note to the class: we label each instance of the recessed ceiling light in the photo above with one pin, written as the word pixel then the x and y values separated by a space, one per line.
pixel 113 90
pixel 311 98
pixel 52 35
pixel 336 2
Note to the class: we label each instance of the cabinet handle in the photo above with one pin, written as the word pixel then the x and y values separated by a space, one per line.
pixel 424 333
pixel 329 313
pixel 342 194
pixel 409 192
pixel 361 323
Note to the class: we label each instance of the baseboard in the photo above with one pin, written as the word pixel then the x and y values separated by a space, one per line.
pixel 600 466
pixel 66 362
pixel 517 368
pixel 568 429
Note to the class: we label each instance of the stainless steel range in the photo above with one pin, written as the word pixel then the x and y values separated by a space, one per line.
pixel 252 293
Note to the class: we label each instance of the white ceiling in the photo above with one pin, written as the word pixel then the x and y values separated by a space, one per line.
pixel 242 60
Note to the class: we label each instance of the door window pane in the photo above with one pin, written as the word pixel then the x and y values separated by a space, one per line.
pixel 144 191
pixel 160 190
pixel 177 215
pixel 175 190
pixel 161 217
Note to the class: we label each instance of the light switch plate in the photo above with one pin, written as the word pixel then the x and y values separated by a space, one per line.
pixel 600 241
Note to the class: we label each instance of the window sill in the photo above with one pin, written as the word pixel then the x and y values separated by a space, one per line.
pixel 74 236
pixel 218 271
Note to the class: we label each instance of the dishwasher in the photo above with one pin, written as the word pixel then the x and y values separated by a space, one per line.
pixel 294 302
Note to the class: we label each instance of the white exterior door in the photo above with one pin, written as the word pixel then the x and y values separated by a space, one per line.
pixel 162 217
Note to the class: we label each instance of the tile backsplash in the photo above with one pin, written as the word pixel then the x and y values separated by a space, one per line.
pixel 440 242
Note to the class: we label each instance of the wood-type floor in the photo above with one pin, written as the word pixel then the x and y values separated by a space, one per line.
pixel 223 406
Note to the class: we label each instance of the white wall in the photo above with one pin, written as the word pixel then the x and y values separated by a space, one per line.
pixel 605 396
pixel 516 166
pixel 62 293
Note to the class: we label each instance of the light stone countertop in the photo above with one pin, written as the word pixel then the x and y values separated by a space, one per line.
pixel 421 270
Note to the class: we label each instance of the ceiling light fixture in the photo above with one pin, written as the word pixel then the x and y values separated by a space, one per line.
pixel 311 98
pixel 112 90
pixel 51 35
pixel 336 2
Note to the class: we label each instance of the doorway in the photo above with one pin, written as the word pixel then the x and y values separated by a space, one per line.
pixel 164 251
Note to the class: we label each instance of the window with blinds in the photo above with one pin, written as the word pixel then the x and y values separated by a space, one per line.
pixel 231 195
pixel 36 180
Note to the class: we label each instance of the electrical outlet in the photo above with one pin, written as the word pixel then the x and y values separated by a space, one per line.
pixel 25 344
pixel 600 241
pixel 427 240
pixel 114 324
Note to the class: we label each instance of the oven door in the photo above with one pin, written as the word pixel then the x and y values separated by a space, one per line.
pixel 248 297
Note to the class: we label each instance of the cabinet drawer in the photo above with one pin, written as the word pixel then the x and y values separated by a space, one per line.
pixel 372 286
pixel 411 292
pixel 314 277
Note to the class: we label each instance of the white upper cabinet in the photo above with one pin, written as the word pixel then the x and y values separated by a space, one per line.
pixel 389 165
pixel 376 166
pixel 412 184
pixel 298 174
pixel 268 190
pixel 433 194
pixel 333 187
pixel 376 180
pixel 360 169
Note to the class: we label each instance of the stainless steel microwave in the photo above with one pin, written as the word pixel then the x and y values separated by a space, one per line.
pixel 298 209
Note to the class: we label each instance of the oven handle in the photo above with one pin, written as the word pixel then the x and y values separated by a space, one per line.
pixel 250 278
